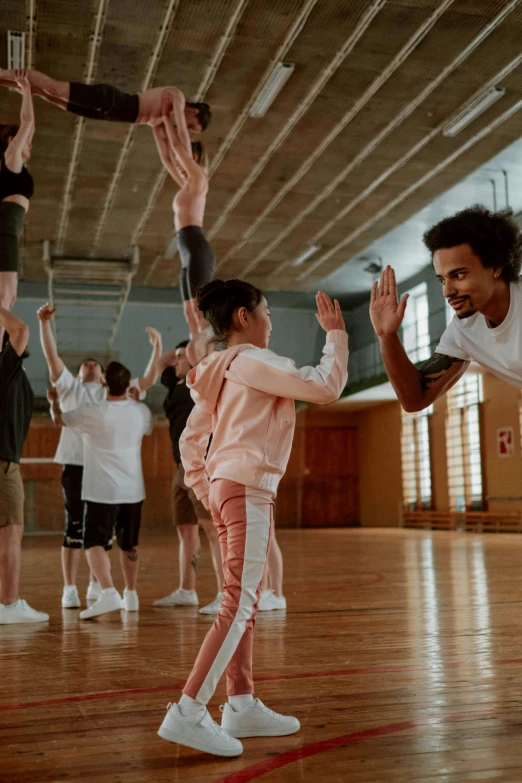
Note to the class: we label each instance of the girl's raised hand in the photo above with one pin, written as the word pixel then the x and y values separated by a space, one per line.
pixel 329 313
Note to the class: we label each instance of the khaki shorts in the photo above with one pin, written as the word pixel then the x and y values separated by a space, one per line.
pixel 186 508
pixel 11 494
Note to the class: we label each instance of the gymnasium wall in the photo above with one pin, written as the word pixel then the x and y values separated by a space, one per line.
pixel 295 333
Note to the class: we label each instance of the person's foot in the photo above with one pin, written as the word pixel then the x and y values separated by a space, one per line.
pixel 131 602
pixel 70 597
pixel 94 591
pixel 179 598
pixel 198 731
pixel 108 602
pixel 21 612
pixel 213 606
pixel 268 600
pixel 256 720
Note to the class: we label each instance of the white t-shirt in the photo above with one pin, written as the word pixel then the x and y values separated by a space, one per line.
pixel 499 349
pixel 113 432
pixel 72 393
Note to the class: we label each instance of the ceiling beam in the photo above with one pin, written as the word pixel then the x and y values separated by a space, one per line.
pixel 412 188
pixel 170 13
pixel 398 60
pixel 94 49
pixel 392 125
pixel 326 74
pixel 207 80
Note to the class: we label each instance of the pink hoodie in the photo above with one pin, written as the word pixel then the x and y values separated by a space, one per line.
pixel 245 398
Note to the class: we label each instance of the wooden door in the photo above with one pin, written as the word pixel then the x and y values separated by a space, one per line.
pixel 330 496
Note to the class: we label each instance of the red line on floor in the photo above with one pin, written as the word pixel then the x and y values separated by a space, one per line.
pixel 267 678
pixel 291 756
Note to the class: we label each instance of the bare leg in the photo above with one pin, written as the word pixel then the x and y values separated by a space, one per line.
pixel 42 85
pixel 215 550
pixel 130 566
pixel 273 573
pixel 101 565
pixel 8 292
pixel 10 560
pixel 70 563
pixel 189 554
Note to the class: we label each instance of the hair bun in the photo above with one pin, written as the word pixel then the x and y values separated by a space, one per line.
pixel 211 293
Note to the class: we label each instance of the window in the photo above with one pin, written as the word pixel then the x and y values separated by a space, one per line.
pixel 450 312
pixel 416 467
pixel 416 333
pixel 463 444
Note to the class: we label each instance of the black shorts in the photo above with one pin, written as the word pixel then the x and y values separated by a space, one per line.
pixel 101 519
pixel 197 258
pixel 74 507
pixel 103 102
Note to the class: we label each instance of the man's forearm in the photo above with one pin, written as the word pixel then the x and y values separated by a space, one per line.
pixel 50 350
pixel 152 371
pixel 403 375
pixel 56 413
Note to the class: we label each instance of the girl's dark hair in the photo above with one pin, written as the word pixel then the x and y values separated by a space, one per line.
pixel 219 300
pixel 204 113
pixel 493 236
pixel 6 132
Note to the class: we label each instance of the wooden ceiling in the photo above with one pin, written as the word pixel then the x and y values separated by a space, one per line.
pixel 351 147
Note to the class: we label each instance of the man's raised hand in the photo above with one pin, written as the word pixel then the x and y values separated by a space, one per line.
pixel 386 311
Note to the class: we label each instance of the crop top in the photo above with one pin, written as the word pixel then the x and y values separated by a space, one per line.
pixel 12 184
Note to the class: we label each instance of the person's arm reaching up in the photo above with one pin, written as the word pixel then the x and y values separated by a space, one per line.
pixel 17 330
pixel 13 157
pixel 416 389
pixel 54 362
pixel 151 373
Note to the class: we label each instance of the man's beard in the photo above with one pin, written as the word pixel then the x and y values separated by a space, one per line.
pixel 467 314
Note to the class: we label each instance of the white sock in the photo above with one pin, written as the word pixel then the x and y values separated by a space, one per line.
pixel 109 591
pixel 130 592
pixel 188 706
pixel 186 592
pixel 239 703
pixel 93 584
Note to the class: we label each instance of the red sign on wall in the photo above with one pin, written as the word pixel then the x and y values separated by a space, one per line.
pixel 505 442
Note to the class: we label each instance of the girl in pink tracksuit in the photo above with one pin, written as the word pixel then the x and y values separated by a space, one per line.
pixel 244 398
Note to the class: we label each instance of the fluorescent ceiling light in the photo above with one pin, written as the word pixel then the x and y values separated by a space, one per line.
pixel 15 49
pixel 471 112
pixel 306 254
pixel 271 89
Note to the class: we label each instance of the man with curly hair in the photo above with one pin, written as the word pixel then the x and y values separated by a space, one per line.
pixel 477 257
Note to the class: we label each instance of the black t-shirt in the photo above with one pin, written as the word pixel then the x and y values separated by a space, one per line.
pixel 16 405
pixel 177 406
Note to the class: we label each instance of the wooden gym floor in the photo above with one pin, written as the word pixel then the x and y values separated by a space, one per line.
pixel 400 653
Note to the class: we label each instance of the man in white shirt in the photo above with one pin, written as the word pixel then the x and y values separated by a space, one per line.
pixel 477 256
pixel 113 487
pixel 87 388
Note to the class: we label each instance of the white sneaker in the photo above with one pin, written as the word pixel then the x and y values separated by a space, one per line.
pixel 21 612
pixel 94 591
pixel 213 607
pixel 198 731
pixel 131 602
pixel 70 597
pixel 256 720
pixel 268 600
pixel 179 598
pixel 108 602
